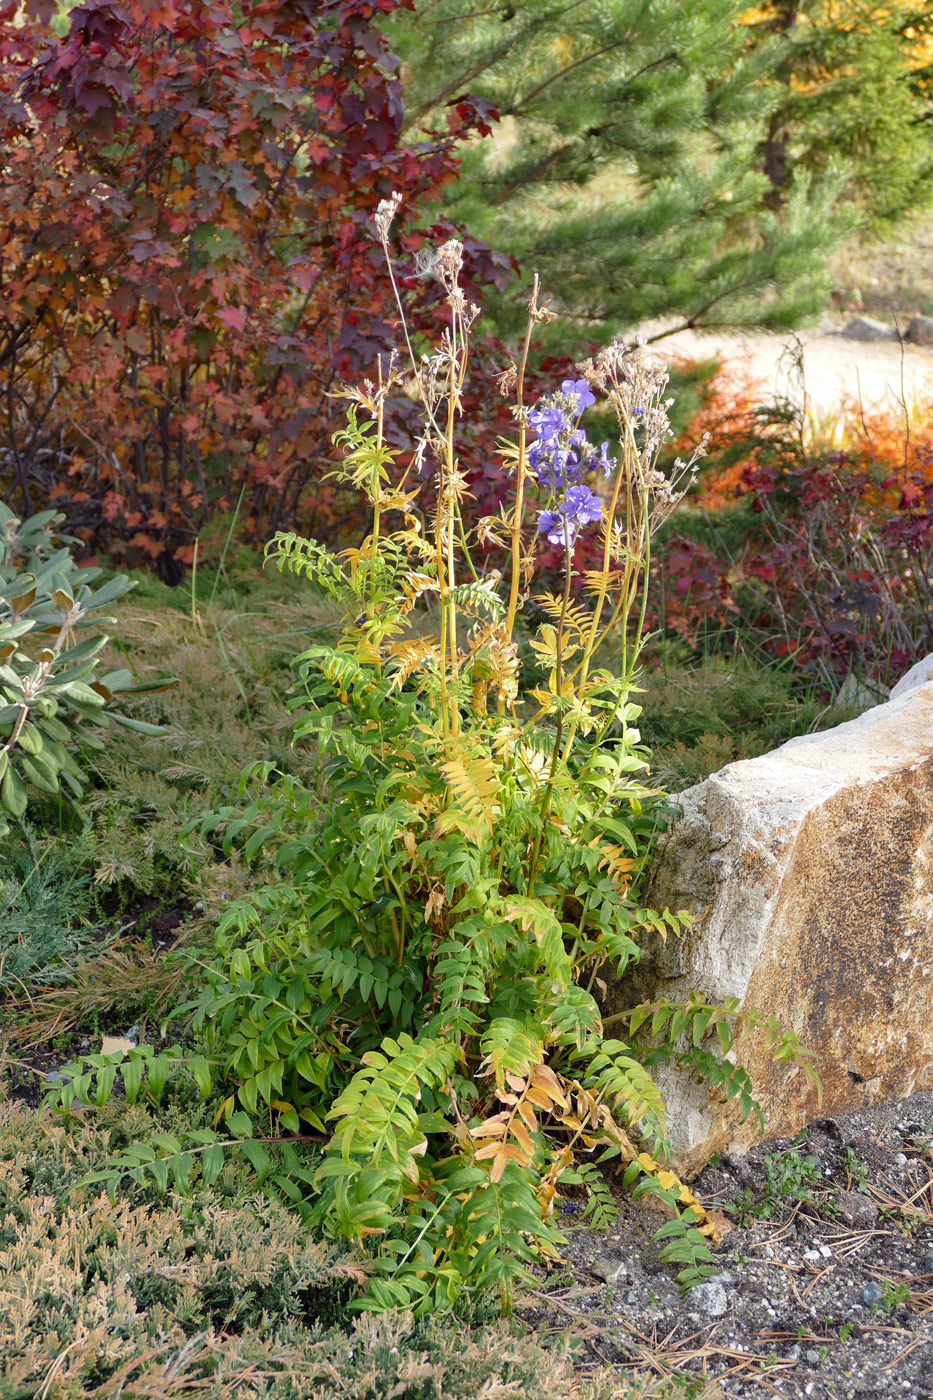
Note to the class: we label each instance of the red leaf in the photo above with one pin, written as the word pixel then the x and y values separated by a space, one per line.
pixel 233 316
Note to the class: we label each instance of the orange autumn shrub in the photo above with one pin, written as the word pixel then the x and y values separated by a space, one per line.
pixel 833 565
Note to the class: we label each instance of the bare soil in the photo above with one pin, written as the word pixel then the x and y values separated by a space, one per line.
pixel 836 371
pixel 846 1207
pixel 890 281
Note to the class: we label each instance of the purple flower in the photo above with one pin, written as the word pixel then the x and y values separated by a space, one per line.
pixel 559 456
pixel 558 530
pixel 578 507
pixel 548 423
pixel 581 505
pixel 578 389
pixel 556 469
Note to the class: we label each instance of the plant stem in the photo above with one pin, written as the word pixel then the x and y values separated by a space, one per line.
pixel 628 452
pixel 442 593
pixel 516 527
pixel 377 489
pixel 558 686
pixel 449 521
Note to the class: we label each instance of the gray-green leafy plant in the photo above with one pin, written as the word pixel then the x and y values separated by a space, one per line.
pixel 52 697
pixel 789 1176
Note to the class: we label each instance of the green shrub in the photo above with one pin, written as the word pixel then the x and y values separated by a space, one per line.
pixel 419 977
pixel 51 696
pixel 43 906
pixel 415 987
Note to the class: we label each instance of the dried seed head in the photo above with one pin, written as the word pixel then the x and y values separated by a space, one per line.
pixel 506 381
pixel 450 259
pixel 425 261
pixel 386 211
pixel 537 310
pixel 594 373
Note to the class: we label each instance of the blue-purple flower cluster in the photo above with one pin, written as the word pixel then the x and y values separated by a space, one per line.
pixel 559 457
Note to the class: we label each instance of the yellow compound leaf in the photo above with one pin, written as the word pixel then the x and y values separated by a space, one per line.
pixel 523 1138
pixel 493 1127
pixel 527 1113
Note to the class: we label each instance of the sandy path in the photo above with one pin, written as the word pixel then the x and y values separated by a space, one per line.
pixel 835 369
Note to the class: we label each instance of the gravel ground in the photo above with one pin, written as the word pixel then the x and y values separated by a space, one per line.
pixel 891 281
pixel 879 375
pixel 827 1274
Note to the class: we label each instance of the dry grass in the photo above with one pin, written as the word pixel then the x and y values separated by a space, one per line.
pixel 890 276
pixel 126 981
pixel 222 1296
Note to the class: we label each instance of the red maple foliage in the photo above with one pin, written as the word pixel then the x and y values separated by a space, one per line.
pixel 187 266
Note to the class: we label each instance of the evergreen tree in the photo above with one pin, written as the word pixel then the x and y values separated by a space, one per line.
pixel 627 167
pixel 855 81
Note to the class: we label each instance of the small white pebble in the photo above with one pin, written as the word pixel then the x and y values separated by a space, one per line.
pixel 826 1251
pixel 769 1252
pixel 811 1254
pixel 900 1161
pixel 808 1389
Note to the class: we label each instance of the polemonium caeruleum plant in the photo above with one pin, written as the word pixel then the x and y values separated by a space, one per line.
pixel 417 985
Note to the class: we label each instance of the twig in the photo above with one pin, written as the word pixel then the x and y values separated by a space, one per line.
pixel 911 1346
pixel 814 1281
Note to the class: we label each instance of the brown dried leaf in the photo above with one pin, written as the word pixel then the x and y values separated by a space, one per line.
pixel 523 1138
pixel 528 1115
pixel 493 1127
pixel 721 1224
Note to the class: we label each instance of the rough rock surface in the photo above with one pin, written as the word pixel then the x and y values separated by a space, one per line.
pixel 810 875
pixel 918 674
pixel 920 330
pixel 866 328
